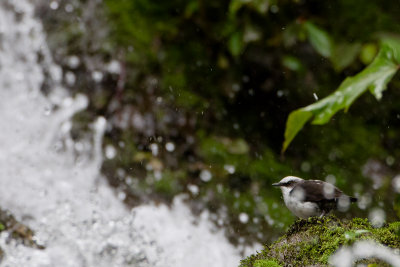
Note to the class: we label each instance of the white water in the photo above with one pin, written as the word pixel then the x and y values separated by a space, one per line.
pixel 347 256
pixel 63 198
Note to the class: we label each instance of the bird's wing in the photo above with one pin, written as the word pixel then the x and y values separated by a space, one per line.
pixel 313 191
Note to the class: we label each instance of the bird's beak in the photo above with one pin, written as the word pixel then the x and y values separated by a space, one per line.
pixel 276 184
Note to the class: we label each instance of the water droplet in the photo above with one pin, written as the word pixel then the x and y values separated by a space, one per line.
pixel 274 9
pixel 220 188
pixel 390 160
pixel 70 78
pixel 73 62
pixel 121 195
pixel 170 146
pixel 194 189
pixel 396 183
pixel 154 149
pixel 205 175
pixel 47 110
pixel 329 190
pixel 157 175
pixel 298 194
pixel 79 146
pixel 110 151
pixel 343 203
pixel 364 201
pixel 305 166
pixel 114 67
pixel 97 76
pixel 243 217
pixel 377 217
pixel 69 8
pixel 54 5
pixel 66 127
pixel 230 169
pixel 330 178
pixel 269 220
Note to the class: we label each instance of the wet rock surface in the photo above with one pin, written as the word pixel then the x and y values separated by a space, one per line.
pixel 17 232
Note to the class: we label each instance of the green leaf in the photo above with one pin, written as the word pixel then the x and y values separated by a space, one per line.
pixel 235 5
pixel 291 34
pixel 294 124
pixel 236 43
pixel 373 78
pixel 368 52
pixel 319 39
pixel 261 5
pixel 344 54
pixel 340 54
pixel 191 8
pixel 292 63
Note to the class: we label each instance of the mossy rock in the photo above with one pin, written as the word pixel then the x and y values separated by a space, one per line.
pixel 19 232
pixel 311 242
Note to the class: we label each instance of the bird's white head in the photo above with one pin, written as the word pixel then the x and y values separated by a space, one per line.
pixel 287 184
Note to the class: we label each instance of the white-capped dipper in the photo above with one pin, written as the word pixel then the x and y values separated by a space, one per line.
pixel 307 198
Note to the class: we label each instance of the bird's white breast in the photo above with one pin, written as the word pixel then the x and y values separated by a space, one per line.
pixel 299 207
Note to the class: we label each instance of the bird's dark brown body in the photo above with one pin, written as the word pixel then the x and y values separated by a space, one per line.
pixel 306 198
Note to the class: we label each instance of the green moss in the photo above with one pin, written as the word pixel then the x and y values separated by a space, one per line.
pixel 266 263
pixel 312 241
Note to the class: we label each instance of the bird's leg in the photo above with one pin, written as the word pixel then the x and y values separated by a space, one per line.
pixel 322 214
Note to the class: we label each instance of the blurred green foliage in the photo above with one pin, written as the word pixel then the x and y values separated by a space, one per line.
pixel 235 69
pixel 218 79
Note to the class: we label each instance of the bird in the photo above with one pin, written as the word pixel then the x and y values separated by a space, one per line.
pixel 309 198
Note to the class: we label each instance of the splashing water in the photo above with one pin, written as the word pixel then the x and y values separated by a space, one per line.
pixel 347 256
pixel 62 196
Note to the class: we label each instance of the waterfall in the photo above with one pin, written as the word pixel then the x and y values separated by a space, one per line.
pixel 60 193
